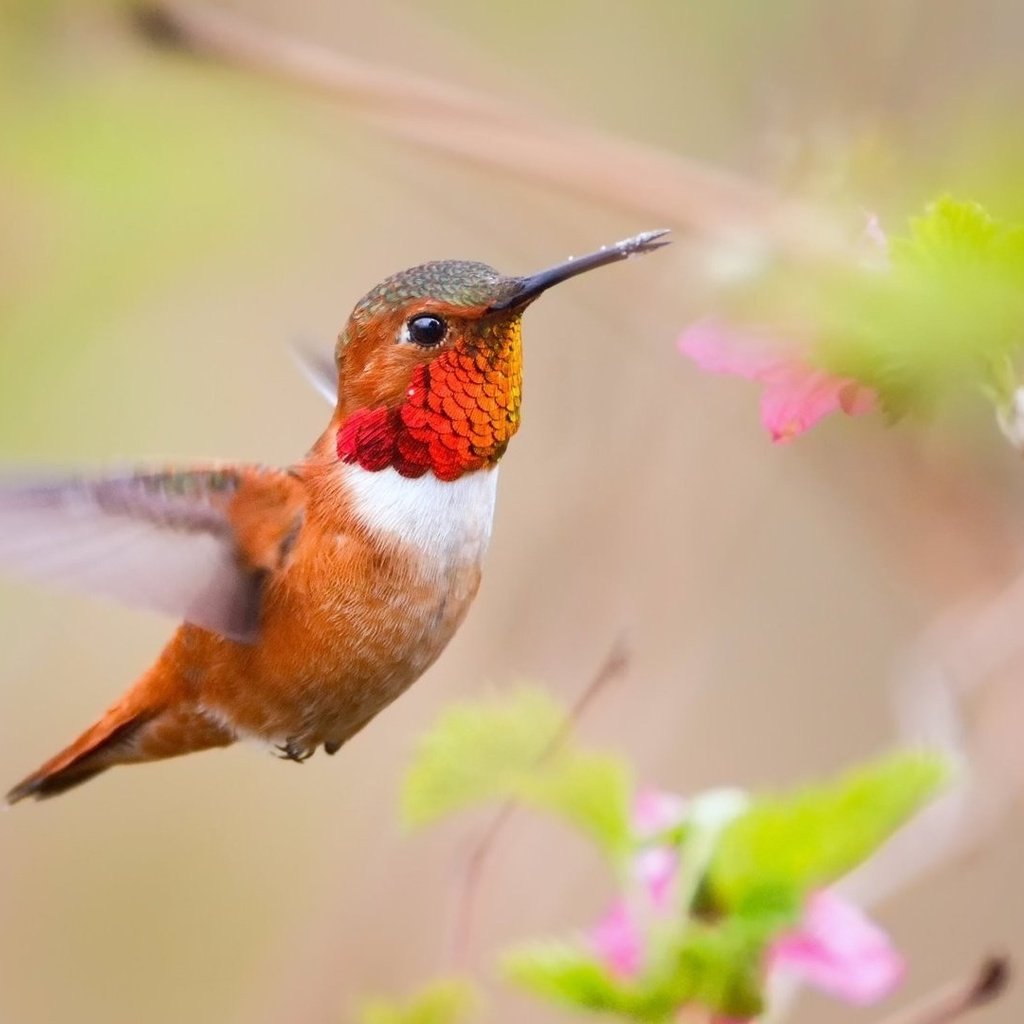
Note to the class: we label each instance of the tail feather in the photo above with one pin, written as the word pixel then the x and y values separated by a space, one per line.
pixel 97 749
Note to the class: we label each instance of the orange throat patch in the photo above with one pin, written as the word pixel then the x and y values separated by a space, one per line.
pixel 459 414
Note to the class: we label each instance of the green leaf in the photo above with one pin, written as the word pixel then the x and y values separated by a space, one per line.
pixel 563 973
pixel 715 966
pixel 592 791
pixel 795 843
pixel 444 1002
pixel 479 752
pixel 719 967
pixel 934 326
pixel 950 234
pixel 516 749
pixel 566 974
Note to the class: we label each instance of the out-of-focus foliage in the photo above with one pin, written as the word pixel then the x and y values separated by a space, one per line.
pixel 517 749
pixel 567 973
pixel 918 324
pixel 587 788
pixel 945 316
pixel 451 1001
pixel 479 752
pixel 790 844
pixel 718 967
pixel 734 874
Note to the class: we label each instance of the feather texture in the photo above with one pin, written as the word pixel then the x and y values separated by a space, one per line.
pixel 183 542
pixel 319 370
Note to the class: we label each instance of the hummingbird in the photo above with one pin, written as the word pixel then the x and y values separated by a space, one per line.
pixel 314 595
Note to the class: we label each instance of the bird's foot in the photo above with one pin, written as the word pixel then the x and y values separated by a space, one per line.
pixel 293 750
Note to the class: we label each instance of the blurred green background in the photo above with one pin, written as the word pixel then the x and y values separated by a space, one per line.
pixel 169 226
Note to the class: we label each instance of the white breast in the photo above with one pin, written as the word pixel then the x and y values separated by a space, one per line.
pixel 446 520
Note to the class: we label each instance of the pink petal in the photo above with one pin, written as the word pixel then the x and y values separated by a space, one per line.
pixel 796 394
pixel 719 348
pixel 795 400
pixel 838 950
pixel 655 811
pixel 617 941
pixel 656 870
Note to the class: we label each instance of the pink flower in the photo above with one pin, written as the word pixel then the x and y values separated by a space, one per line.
pixel 655 811
pixel 618 937
pixel 835 947
pixel 838 950
pixel 656 871
pixel 617 941
pixel 796 395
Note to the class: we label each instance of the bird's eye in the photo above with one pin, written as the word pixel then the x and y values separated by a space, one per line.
pixel 426 330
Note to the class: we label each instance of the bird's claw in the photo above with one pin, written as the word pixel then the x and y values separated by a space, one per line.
pixel 292 750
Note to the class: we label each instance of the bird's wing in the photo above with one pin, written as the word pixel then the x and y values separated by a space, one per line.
pixel 319 369
pixel 196 543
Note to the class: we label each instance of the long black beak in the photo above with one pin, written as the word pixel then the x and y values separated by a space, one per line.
pixel 530 287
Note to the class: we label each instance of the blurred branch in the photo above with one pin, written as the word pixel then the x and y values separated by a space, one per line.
pixel 468 884
pixel 958 656
pixel 224 36
pixel 960 998
pixel 493 133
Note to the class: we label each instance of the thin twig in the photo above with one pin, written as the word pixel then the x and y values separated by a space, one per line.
pixel 614 667
pixel 507 137
pixel 468 885
pixel 960 998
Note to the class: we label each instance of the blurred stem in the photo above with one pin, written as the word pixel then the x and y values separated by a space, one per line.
pixel 494 133
pixel 960 998
pixel 469 882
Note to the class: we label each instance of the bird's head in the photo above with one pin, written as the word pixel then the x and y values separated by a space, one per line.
pixel 430 363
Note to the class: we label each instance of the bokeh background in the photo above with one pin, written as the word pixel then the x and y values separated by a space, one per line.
pixel 171 224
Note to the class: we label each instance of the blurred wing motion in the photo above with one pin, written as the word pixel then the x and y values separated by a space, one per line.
pixel 320 370
pixel 195 543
